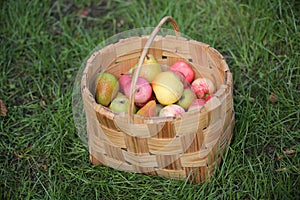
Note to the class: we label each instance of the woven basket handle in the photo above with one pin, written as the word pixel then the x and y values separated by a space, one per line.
pixel 143 55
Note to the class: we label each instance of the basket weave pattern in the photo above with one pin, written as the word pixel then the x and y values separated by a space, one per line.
pixel 185 146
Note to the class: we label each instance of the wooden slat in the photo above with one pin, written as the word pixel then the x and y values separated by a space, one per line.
pixel 174 174
pixel 123 48
pixel 192 142
pixel 141 160
pixel 171 162
pixel 136 145
pixel 114 137
pixel 165 146
pixel 193 160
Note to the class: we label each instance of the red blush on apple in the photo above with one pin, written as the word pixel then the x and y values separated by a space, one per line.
pixel 185 69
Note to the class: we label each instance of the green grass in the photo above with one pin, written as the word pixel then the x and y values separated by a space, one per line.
pixel 42 46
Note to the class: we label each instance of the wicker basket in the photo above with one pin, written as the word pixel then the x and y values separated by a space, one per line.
pixel 188 146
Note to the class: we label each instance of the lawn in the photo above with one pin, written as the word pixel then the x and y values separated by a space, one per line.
pixel 43 45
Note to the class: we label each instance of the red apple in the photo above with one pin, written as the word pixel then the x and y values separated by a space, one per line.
pixel 202 86
pixel 143 104
pixel 185 69
pixel 182 78
pixel 171 110
pixel 208 97
pixel 197 104
pixel 143 90
pixel 124 80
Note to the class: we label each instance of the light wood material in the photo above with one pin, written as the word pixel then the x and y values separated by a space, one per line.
pixel 188 146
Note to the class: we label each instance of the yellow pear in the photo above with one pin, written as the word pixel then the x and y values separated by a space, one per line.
pixel 167 87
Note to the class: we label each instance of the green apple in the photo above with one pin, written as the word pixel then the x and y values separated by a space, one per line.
pixel 121 104
pixel 107 88
pixel 186 98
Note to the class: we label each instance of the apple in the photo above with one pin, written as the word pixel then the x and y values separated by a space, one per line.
pixel 182 78
pixel 107 87
pixel 149 69
pixel 143 90
pixel 124 80
pixel 121 104
pixel 150 99
pixel 197 104
pixel 171 110
pixel 167 88
pixel 185 69
pixel 208 97
pixel 187 98
pixel 202 87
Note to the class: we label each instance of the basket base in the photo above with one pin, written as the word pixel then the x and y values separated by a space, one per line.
pixel 94 161
pixel 191 174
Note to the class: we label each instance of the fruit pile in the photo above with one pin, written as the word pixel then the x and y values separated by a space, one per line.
pixel 159 91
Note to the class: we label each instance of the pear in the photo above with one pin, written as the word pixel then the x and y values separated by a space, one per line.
pixel 167 88
pixel 148 110
pixel 107 88
pixel 150 68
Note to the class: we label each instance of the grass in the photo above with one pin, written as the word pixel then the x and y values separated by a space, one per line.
pixel 43 45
